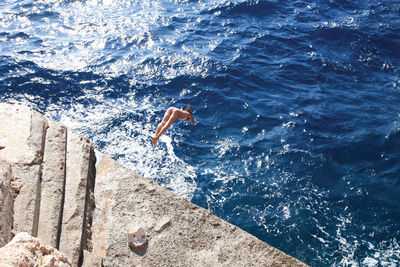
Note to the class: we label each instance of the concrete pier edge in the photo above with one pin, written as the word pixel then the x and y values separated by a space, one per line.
pixel 55 186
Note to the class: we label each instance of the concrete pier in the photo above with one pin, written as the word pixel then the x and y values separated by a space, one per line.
pixel 55 186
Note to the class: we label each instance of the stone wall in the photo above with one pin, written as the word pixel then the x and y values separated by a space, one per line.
pixel 55 186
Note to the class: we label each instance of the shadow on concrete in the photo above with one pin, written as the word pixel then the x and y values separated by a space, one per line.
pixel 140 251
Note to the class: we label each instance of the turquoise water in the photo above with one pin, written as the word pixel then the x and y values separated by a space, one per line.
pixel 298 132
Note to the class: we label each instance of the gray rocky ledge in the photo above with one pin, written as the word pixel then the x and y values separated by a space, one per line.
pixel 99 213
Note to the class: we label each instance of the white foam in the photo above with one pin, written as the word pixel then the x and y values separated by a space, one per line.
pixel 286 212
pixel 386 253
pixel 370 262
pixel 227 145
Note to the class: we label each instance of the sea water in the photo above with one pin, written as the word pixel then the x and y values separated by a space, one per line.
pixel 297 107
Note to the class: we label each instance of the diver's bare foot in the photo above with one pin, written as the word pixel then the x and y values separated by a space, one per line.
pixel 1 147
pixel 154 141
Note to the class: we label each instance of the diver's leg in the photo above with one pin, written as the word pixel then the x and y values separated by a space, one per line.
pixel 164 121
pixel 160 126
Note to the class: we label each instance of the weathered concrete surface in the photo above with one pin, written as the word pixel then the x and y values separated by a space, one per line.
pixel 91 259
pixel 22 134
pixel 52 187
pixel 6 203
pixel 25 250
pixel 26 205
pixel 179 233
pixel 73 233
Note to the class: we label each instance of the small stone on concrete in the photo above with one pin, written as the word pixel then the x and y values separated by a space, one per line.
pixel 214 223
pixel 16 188
pixel 137 237
pixel 163 223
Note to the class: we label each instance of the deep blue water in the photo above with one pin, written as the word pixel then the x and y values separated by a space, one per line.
pixel 297 103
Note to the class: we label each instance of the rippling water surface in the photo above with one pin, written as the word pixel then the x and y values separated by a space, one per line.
pixel 297 103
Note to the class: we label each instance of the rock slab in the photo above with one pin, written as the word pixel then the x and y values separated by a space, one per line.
pixel 73 232
pixel 6 203
pixel 23 132
pixel 52 186
pixel 27 200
